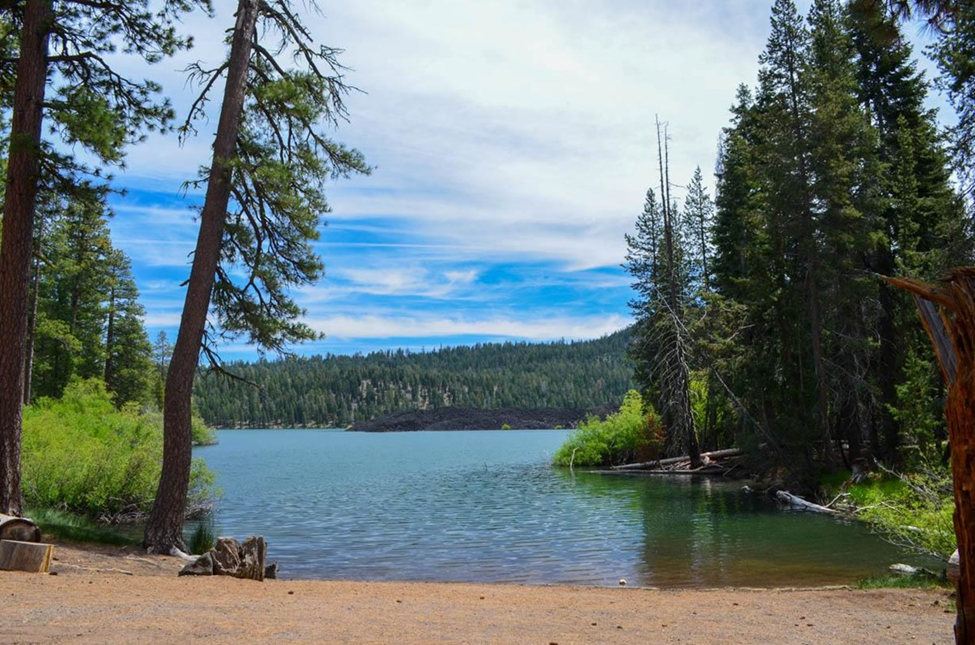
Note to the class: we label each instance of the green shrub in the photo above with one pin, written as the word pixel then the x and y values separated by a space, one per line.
pixel 914 511
pixel 82 455
pixel 631 434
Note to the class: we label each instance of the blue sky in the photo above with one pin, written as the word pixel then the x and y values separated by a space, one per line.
pixel 513 143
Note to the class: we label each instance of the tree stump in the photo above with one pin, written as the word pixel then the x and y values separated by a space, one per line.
pixel 25 556
pixel 18 528
pixel 948 314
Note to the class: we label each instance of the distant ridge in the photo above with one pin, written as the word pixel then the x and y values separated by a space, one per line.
pixel 337 391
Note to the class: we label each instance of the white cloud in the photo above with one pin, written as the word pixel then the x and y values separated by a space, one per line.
pixel 437 326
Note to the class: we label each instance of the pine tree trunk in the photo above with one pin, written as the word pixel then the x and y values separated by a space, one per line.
pixel 165 526
pixel 953 337
pixel 31 325
pixel 23 169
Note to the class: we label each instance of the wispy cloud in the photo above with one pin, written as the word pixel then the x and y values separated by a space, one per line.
pixel 432 327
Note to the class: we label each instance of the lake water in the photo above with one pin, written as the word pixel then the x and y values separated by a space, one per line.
pixel 487 507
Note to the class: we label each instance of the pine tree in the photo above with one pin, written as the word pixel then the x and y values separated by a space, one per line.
pixel 128 353
pixel 262 209
pixel 92 106
pixel 698 222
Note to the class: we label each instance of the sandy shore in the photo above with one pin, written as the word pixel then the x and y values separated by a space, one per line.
pixel 108 595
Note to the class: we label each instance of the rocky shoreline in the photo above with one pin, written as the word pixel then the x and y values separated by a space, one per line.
pixel 471 419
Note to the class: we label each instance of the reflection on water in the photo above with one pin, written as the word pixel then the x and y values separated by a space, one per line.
pixel 485 506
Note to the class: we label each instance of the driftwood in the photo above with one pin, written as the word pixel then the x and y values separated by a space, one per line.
pixel 717 454
pixel 18 528
pixel 125 572
pixel 232 558
pixel 798 502
pixel 25 556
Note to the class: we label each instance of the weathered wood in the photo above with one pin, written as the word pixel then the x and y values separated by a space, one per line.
pixel 25 556
pixel 939 338
pixel 954 344
pixel 18 528
pixel 954 568
pixel 798 502
pixel 716 454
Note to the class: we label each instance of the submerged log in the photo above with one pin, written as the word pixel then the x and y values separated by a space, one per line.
pixel 717 454
pixel 798 502
pixel 25 556
pixel 18 528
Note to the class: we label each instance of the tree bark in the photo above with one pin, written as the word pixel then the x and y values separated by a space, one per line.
pixel 165 526
pixel 16 244
pixel 953 336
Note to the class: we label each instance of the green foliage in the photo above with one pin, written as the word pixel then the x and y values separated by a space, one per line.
pixel 335 391
pixel 505 426
pixel 914 511
pixel 203 435
pixel 83 455
pixel 631 434
pixel 920 407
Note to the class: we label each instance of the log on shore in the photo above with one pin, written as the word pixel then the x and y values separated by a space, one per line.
pixel 25 556
pixel 717 454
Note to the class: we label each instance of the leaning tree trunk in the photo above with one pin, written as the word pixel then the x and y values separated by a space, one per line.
pixel 16 244
pixel 953 336
pixel 164 531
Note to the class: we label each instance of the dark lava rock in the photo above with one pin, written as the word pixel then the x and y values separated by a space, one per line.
pixel 471 419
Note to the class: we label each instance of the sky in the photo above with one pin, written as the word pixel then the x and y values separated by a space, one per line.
pixel 512 144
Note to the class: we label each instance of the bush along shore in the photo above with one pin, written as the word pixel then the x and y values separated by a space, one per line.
pixel 84 456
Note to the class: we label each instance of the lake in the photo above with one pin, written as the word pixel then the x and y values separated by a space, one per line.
pixel 487 507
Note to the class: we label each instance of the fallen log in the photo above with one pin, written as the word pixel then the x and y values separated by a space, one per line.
pixel 717 454
pixel 798 502
pixel 25 556
pixel 18 528
pixel 713 470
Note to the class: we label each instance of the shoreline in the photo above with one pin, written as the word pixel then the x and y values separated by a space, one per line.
pixel 114 595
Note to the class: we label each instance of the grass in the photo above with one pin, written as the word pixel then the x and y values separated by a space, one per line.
pixel 203 538
pixel 894 581
pixel 77 528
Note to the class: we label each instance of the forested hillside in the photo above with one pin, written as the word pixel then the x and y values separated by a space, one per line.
pixel 334 391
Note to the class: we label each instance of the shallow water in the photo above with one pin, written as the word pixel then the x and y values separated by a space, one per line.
pixel 487 507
